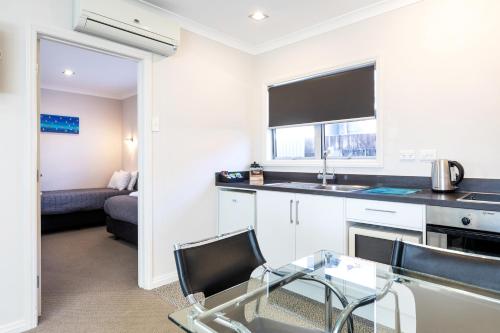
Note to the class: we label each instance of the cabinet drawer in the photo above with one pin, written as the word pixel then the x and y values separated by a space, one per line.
pixel 391 214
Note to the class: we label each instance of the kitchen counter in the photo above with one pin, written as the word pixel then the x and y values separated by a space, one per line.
pixel 425 196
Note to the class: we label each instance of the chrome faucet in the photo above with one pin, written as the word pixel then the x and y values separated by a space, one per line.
pixel 324 175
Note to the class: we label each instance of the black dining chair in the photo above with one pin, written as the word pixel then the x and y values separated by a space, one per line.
pixel 464 268
pixel 470 272
pixel 216 264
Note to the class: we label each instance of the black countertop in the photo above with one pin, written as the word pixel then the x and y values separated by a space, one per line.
pixel 424 197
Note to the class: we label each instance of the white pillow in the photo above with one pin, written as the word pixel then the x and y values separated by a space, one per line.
pixel 134 194
pixel 113 180
pixel 119 180
pixel 133 179
pixel 123 180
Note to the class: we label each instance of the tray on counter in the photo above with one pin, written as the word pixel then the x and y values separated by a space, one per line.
pixel 391 190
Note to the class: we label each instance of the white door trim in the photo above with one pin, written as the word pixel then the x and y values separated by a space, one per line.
pixel 145 114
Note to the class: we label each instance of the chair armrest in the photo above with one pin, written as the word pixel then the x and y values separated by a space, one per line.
pixel 232 324
pixel 220 318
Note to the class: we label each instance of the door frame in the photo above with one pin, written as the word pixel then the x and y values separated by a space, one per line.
pixel 145 154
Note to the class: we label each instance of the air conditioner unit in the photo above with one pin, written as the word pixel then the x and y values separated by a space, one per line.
pixel 128 22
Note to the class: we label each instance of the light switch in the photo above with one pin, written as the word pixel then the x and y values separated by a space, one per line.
pixel 155 125
pixel 427 155
pixel 407 155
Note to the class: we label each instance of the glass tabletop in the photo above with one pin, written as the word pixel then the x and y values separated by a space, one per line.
pixel 312 293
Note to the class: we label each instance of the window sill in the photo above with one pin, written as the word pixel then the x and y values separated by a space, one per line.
pixel 330 163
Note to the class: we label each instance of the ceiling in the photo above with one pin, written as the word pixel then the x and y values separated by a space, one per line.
pixel 96 73
pixel 288 22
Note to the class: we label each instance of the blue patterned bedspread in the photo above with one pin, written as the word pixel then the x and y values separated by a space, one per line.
pixel 70 201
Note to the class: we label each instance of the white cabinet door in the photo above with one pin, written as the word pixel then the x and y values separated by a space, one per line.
pixel 319 224
pixel 236 210
pixel 275 227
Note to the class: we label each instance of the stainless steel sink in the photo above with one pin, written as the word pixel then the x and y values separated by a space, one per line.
pixel 315 186
pixel 341 188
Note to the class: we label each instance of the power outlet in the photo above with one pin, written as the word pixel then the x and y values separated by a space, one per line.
pixel 427 155
pixel 407 155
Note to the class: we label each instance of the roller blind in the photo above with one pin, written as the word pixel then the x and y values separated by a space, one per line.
pixel 343 95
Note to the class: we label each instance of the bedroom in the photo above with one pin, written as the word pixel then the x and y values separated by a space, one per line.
pixel 88 171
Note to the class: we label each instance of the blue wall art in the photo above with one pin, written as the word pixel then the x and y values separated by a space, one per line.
pixel 59 124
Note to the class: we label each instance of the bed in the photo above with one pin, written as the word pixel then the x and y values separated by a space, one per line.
pixel 73 209
pixel 122 217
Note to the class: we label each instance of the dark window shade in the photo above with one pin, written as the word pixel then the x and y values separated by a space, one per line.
pixel 339 96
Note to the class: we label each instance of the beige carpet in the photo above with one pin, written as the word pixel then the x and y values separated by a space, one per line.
pixel 89 284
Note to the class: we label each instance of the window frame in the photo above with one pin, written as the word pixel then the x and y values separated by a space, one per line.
pixel 267 133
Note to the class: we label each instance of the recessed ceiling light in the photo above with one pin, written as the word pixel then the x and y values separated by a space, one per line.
pixel 258 16
pixel 68 72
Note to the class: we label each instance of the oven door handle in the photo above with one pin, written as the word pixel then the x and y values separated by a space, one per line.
pixel 464 232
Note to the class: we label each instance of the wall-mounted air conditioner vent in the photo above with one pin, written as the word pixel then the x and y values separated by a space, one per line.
pixel 127 22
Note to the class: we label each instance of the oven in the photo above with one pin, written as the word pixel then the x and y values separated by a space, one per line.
pixel 375 243
pixel 466 230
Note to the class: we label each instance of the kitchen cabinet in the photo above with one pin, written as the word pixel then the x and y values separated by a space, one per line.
pixel 291 226
pixel 276 227
pixel 236 210
pixel 319 224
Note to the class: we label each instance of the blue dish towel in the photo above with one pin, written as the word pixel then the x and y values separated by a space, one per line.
pixel 391 190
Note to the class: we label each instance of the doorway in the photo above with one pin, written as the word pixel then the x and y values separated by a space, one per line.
pixel 143 61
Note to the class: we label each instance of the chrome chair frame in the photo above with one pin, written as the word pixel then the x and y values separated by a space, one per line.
pixel 202 313
pixel 365 301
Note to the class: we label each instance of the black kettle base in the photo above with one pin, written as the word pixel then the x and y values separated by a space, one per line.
pixel 445 191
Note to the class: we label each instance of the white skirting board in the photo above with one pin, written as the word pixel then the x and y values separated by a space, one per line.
pixel 16 327
pixel 164 279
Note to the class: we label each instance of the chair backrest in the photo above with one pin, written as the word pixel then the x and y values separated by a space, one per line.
pixel 218 265
pixel 479 271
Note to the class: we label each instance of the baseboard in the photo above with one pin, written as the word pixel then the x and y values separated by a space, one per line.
pixel 164 279
pixel 16 327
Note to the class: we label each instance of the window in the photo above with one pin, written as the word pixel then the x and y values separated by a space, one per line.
pixel 351 140
pixel 292 143
pixel 332 112
pixel 344 140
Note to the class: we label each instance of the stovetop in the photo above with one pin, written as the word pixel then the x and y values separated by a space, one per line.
pixel 490 198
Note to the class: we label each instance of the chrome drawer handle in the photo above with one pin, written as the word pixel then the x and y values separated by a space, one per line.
pixel 381 210
pixel 291 211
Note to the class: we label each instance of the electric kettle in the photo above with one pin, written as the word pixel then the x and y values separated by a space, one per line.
pixel 442 180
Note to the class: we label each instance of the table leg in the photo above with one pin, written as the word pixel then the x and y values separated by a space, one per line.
pixel 328 310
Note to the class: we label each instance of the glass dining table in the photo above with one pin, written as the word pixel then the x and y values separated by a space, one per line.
pixel 329 292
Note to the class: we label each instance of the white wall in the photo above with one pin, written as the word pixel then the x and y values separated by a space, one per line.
pixel 129 130
pixel 438 86
pixel 204 97
pixel 86 160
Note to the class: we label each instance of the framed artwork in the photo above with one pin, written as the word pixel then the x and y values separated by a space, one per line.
pixel 59 124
